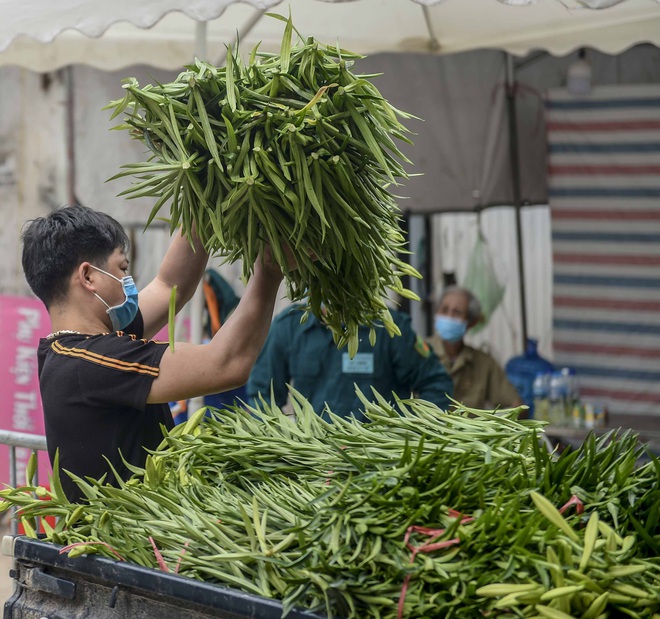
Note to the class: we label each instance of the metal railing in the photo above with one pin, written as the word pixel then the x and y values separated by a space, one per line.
pixel 35 443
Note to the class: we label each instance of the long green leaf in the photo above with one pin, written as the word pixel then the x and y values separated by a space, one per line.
pixel 206 127
pixel 171 318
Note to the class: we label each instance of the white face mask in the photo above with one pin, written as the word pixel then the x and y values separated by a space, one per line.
pixel 123 314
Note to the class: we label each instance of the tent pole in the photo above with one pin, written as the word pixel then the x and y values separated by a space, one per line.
pixel 515 180
pixel 200 39
pixel 434 44
pixel 427 282
pixel 197 302
pixel 404 303
pixel 70 137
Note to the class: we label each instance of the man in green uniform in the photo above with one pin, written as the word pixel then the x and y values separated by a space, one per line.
pixel 305 356
pixel 479 382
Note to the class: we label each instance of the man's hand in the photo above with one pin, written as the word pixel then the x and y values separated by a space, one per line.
pixel 267 262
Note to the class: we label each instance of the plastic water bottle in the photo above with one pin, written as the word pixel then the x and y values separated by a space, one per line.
pixel 589 416
pixel 540 389
pixel 557 396
pixel 574 414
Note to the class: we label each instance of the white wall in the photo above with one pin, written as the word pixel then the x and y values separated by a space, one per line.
pixel 33 161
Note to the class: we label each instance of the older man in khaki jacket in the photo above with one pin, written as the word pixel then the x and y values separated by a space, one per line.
pixel 479 382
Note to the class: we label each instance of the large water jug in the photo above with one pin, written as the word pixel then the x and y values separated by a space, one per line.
pixel 522 370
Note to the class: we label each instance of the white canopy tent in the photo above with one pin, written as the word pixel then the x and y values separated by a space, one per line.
pixel 163 33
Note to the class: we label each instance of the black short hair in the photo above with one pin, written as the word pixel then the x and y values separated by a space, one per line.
pixel 55 245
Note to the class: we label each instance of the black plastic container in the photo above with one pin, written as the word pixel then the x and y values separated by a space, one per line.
pixel 53 586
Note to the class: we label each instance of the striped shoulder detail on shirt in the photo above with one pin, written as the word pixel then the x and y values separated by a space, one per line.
pixel 131 335
pixel 117 364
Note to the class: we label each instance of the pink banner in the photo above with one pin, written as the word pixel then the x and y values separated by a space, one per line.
pixel 23 321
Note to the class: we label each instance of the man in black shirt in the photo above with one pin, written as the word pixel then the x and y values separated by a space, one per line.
pixel 104 383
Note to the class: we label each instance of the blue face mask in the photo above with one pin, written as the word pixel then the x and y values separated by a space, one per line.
pixel 123 314
pixel 450 329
